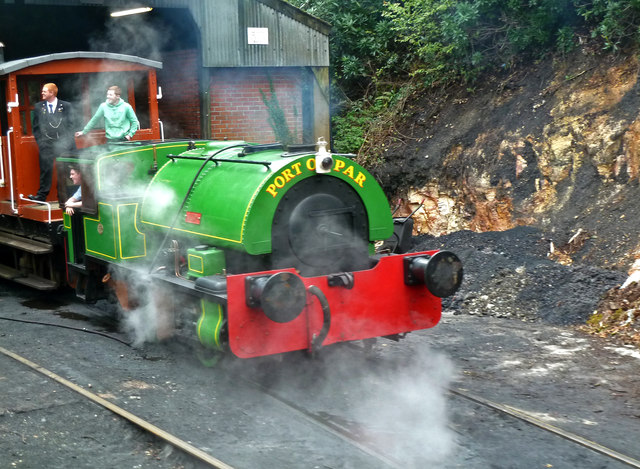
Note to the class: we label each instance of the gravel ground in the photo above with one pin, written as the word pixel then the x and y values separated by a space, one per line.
pixel 509 275
pixel 508 335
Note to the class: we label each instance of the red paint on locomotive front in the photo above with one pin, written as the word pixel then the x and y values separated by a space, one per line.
pixel 379 304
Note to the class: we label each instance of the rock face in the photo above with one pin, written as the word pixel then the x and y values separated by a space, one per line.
pixel 555 146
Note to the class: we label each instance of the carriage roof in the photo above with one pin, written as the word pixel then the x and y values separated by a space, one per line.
pixel 20 64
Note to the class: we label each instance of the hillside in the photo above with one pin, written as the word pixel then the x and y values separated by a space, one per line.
pixel 552 146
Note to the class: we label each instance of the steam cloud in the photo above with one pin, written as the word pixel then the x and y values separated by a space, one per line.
pixel 394 403
pixel 406 404
pixel 132 35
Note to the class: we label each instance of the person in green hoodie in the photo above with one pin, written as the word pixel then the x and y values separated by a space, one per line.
pixel 120 121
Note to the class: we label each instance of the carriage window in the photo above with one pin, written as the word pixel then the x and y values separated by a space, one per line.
pixel 141 93
pixel 28 95
pixel 85 92
pixel 134 86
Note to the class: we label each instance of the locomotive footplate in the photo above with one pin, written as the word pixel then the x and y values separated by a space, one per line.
pixel 201 288
pixel 212 288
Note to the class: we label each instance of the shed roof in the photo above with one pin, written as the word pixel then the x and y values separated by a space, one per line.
pixel 290 36
pixel 14 65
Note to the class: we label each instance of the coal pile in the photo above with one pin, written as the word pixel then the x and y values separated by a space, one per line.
pixel 509 274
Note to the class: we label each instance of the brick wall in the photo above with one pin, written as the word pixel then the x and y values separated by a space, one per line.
pixel 180 105
pixel 238 109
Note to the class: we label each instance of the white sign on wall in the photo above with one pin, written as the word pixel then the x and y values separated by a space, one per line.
pixel 258 35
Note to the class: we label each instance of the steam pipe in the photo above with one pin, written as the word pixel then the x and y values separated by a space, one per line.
pixel 266 164
pixel 397 207
pixel 414 212
pixel 176 258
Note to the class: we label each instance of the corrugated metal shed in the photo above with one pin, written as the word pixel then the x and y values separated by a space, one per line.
pixel 286 36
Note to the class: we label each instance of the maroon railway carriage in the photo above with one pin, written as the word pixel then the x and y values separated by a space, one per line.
pixel 29 230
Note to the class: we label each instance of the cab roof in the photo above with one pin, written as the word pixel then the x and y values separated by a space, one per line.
pixel 20 64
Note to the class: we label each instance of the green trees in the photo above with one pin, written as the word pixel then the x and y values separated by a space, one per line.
pixel 615 22
pixel 361 41
pixel 381 46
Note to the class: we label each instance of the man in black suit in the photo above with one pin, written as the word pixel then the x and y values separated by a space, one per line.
pixel 53 128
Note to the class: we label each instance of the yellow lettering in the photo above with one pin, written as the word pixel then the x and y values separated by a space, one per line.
pixel 311 164
pixel 360 178
pixel 271 189
pixel 287 174
pixel 348 172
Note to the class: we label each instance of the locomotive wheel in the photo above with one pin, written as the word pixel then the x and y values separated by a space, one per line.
pixel 321 227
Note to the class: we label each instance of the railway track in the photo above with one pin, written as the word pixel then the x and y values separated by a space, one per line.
pixel 329 425
pixel 190 450
pixel 532 420
pixel 195 454
pixel 325 423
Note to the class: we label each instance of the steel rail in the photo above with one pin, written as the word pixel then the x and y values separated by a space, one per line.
pixel 149 427
pixel 527 417
pixel 327 425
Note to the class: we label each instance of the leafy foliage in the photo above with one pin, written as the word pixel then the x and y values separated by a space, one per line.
pixel 365 119
pixel 379 45
pixel 277 119
pixel 361 39
pixel 616 22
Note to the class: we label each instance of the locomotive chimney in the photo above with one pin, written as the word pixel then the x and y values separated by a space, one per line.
pixel 1 52
pixel 324 160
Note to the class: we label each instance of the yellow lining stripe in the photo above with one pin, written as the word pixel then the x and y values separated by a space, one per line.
pixel 216 329
pixel 192 232
pixel 192 269
pixel 115 250
pixel 135 226
pixel 128 152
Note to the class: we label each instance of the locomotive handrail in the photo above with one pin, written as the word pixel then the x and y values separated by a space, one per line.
pixel 266 164
pixel 318 339
pixel 12 104
pixel 13 205
pixel 161 130
pixel 218 160
pixel 261 147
